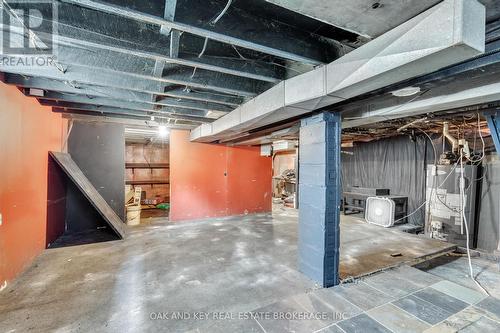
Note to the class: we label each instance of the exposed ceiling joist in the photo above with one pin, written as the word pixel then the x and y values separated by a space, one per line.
pixel 170 55
pixel 80 35
pixel 169 14
pixel 198 95
pixel 67 107
pixel 261 71
pixel 189 114
pixel 141 83
pixel 116 116
pixel 191 57
pixel 448 97
pixel 199 108
pixel 195 105
pixel 135 123
pixel 71 60
pixel 270 37
pixel 122 94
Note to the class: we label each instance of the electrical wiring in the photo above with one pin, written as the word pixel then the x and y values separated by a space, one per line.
pixel 419 207
pixel 483 155
pixel 256 62
pixel 194 72
pixel 463 202
pixel 204 48
pixel 239 54
pixel 485 167
pixel 481 137
pixel 434 189
pixel 411 214
pixel 435 163
pixel 475 161
pixel 65 143
pixel 439 187
pixel 214 21
pixel 464 221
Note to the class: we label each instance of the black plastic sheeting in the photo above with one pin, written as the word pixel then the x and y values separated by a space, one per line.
pixel 398 163
pixel 489 217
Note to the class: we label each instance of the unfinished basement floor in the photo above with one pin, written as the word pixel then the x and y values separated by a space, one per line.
pixel 235 266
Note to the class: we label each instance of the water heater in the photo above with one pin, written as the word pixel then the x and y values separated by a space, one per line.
pixel 443 217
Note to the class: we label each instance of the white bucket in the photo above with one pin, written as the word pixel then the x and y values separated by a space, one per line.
pixel 134 215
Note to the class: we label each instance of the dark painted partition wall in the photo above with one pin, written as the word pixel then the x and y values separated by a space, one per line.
pixel 80 215
pixel 99 151
pixel 319 197
pixel 57 191
pixel 85 187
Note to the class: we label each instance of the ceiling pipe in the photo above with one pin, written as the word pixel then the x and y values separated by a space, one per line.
pixel 451 138
pixel 404 127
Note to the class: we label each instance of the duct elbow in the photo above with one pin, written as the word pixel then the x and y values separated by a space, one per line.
pixel 449 137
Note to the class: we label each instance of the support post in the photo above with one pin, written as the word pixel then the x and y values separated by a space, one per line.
pixel 493 120
pixel 319 197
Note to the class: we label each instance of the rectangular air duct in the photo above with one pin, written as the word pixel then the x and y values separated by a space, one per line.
pixel 409 50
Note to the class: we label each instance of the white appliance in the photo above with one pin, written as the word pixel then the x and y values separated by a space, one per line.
pixel 380 211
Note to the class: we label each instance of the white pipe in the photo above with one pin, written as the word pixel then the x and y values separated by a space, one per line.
pixel 451 138
pixel 411 124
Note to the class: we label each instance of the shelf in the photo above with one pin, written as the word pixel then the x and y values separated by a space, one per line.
pixel 147 182
pixel 147 165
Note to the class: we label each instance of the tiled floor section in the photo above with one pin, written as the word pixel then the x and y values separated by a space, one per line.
pixel 403 299
pixel 455 269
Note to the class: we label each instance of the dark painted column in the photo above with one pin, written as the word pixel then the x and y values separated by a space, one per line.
pixel 493 119
pixel 319 197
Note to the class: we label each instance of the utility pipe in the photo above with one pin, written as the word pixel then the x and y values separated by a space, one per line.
pixel 451 138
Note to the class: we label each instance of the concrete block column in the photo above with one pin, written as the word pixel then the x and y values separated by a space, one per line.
pixel 319 197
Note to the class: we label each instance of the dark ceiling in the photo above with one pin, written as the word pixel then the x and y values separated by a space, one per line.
pixel 184 62
pixel 173 60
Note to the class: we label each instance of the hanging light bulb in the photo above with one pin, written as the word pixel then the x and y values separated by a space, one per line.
pixel 162 131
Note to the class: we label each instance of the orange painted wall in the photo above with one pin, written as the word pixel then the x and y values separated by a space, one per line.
pixel 209 180
pixel 27 132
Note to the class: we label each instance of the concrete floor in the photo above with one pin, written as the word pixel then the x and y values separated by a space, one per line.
pixel 227 266
pixel 237 264
pixel 367 248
